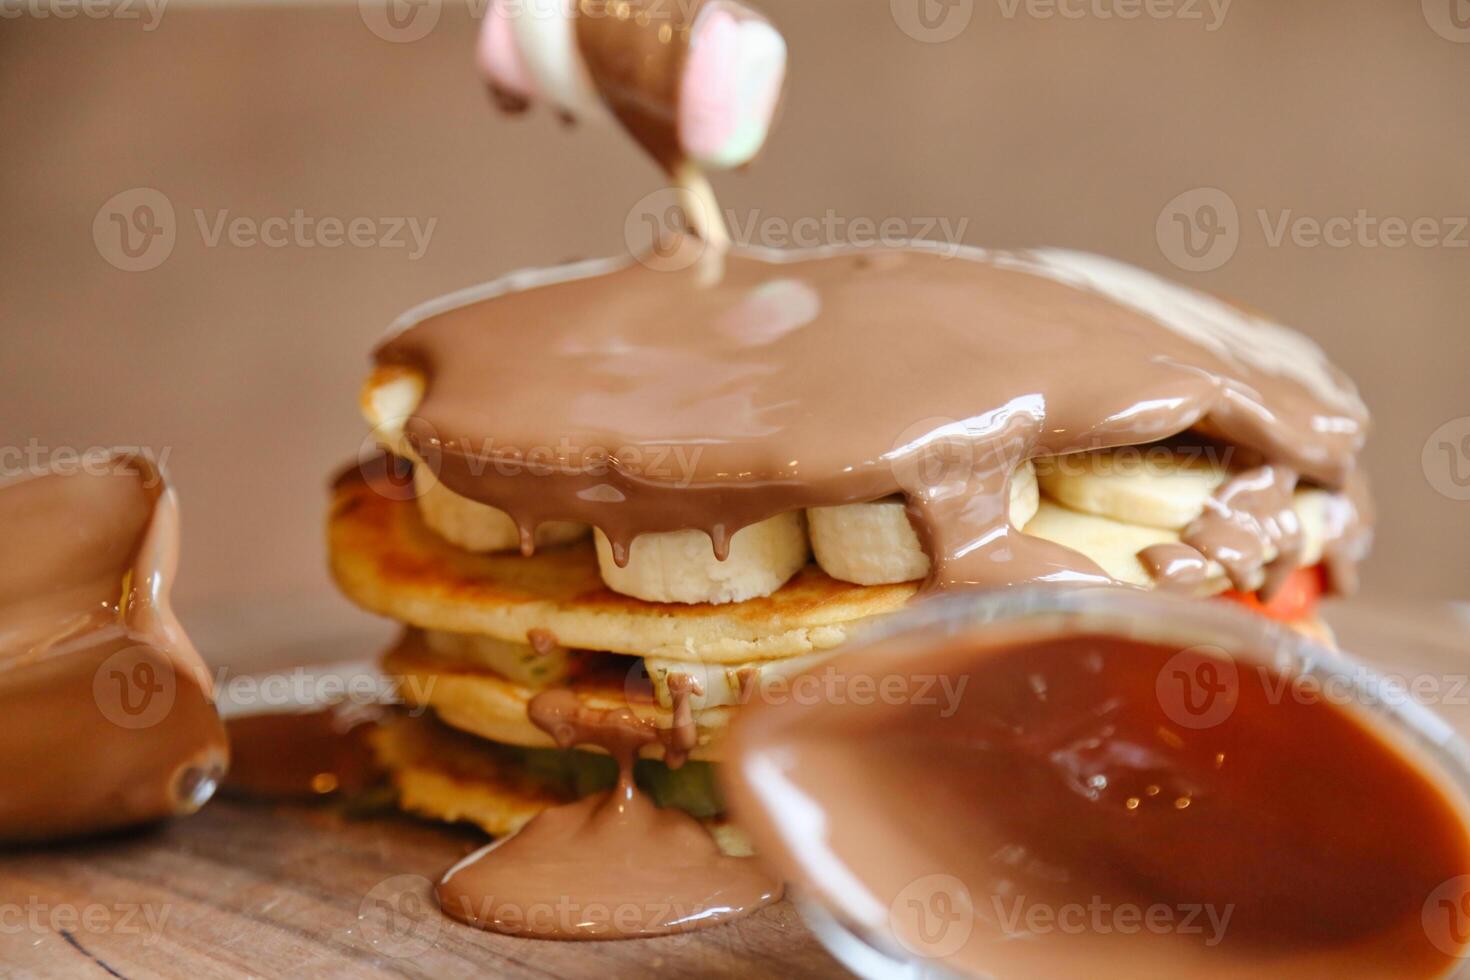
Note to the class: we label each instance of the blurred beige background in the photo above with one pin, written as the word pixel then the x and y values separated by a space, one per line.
pixel 242 361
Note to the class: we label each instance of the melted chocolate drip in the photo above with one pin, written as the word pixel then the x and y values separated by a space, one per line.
pixel 1247 518
pixel 1175 567
pixel 613 865
pixel 635 52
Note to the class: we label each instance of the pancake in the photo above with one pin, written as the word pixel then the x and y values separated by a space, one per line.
pixel 388 562
pixel 475 699
pixel 444 775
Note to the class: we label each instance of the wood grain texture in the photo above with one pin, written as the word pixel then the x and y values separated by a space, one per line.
pixel 259 890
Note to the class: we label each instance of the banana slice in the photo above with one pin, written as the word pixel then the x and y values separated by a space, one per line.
pixel 1153 486
pixel 537 667
pixel 1113 545
pixel 1312 505
pixel 729 684
pixel 388 399
pixel 680 566
pixel 874 544
pixel 390 396
pixel 479 527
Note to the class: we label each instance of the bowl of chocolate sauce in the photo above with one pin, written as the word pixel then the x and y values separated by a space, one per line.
pixel 1044 783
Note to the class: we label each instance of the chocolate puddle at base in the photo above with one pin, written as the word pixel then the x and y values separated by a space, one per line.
pixel 1306 840
pixel 612 865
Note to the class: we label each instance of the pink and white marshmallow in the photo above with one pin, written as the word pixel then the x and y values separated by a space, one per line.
pixel 730 77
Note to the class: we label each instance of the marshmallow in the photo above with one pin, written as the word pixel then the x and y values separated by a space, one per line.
pixel 705 91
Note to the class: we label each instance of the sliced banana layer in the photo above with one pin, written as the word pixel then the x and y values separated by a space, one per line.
pixel 727 684
pixel 1312 505
pixel 388 400
pixel 484 703
pixel 479 527
pixel 680 566
pixel 875 544
pixel 1114 545
pixel 1154 486
pixel 535 667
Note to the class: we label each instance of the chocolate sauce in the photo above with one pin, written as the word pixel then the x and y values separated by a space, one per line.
pixel 832 377
pixel 635 52
pixel 302 755
pixel 612 865
pixel 105 712
pixel 1248 518
pixel 1175 566
pixel 542 640
pixel 636 62
pixel 1079 786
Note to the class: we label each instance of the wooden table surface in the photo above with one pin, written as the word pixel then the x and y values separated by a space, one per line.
pixel 271 890
pixel 248 889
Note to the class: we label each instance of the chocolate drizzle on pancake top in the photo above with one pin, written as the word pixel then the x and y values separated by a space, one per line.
pixel 107 717
pixel 646 401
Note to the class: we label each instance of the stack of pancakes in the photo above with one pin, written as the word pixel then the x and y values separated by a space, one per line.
pixel 676 616
pixel 488 630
